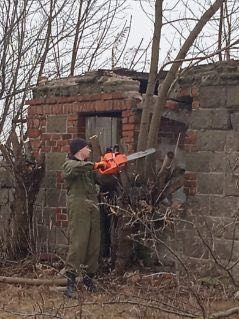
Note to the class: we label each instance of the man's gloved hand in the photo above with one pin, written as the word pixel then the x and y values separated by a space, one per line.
pixel 100 165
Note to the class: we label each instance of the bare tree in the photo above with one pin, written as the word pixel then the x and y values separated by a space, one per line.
pixel 152 74
pixel 43 38
pixel 165 86
pixel 149 127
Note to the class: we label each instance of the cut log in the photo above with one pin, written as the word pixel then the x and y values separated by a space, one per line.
pixel 33 281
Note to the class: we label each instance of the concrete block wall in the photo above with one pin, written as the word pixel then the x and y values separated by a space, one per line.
pixel 7 198
pixel 211 155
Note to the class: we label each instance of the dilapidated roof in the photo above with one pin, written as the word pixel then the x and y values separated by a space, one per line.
pixel 93 82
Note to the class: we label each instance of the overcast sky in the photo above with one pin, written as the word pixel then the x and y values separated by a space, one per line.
pixel 173 35
pixel 142 27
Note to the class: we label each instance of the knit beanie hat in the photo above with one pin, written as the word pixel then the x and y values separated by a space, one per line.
pixel 76 145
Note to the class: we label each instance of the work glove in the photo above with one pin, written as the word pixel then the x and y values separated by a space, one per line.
pixel 100 165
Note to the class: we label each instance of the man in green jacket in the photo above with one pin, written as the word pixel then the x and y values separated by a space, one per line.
pixel 84 218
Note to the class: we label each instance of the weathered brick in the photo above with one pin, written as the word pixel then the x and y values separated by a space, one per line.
pixel 56 136
pixel 46 149
pixel 61 217
pixel 195 104
pixel 56 148
pixel 171 105
pixel 189 148
pixel 210 183
pixel 198 205
pixel 190 175
pixel 64 223
pixel 217 162
pixel 185 91
pixel 232 141
pixel 55 198
pixel 33 123
pixel 210 119
pixel 33 132
pixel 67 108
pixel 211 140
pixel 54 161
pixel 36 144
pixel 60 186
pixel 190 184
pixel 34 102
pixel 199 119
pixel 125 120
pixel 198 162
pixel 49 180
pixel 232 167
pixel 57 109
pixel 72 130
pixel 234 118
pixel 56 124
pixel 67 136
pixel 192 191
pixel 128 127
pixel 231 185
pixel 190 137
pixel 212 96
pixel 51 100
pixel 72 123
pixel 61 142
pixel 232 95
pixel 65 149
pixel 128 134
pixel 223 206
pixel 58 223
pixel 37 154
pixel 72 117
pixel 50 143
pixel 126 140
pixel 194 91
pixel 44 216
pixel 127 113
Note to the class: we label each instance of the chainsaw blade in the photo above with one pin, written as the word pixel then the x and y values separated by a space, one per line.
pixel 140 154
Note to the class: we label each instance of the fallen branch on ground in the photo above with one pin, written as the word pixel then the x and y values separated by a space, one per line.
pixel 33 281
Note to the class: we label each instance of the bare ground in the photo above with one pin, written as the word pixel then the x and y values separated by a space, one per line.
pixel 133 296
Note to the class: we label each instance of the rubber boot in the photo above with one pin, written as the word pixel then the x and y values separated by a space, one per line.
pixel 71 284
pixel 88 282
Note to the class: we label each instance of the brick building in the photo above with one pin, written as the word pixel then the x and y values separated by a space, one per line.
pixel 203 108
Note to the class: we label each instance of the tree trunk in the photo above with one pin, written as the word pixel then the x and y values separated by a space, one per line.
pixel 144 124
pixel 165 86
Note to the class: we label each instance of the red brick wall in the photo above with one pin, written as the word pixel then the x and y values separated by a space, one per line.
pixel 72 111
pixel 74 107
pixel 189 143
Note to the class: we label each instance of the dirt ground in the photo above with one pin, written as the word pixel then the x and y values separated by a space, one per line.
pixel 135 295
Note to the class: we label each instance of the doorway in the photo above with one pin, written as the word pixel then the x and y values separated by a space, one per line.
pixel 107 128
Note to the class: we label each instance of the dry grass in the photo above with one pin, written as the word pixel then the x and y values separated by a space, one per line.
pixel 133 296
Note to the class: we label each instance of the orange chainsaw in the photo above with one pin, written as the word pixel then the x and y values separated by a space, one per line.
pixel 114 160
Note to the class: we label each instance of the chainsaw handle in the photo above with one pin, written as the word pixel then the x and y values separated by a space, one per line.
pixel 112 169
pixel 114 161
